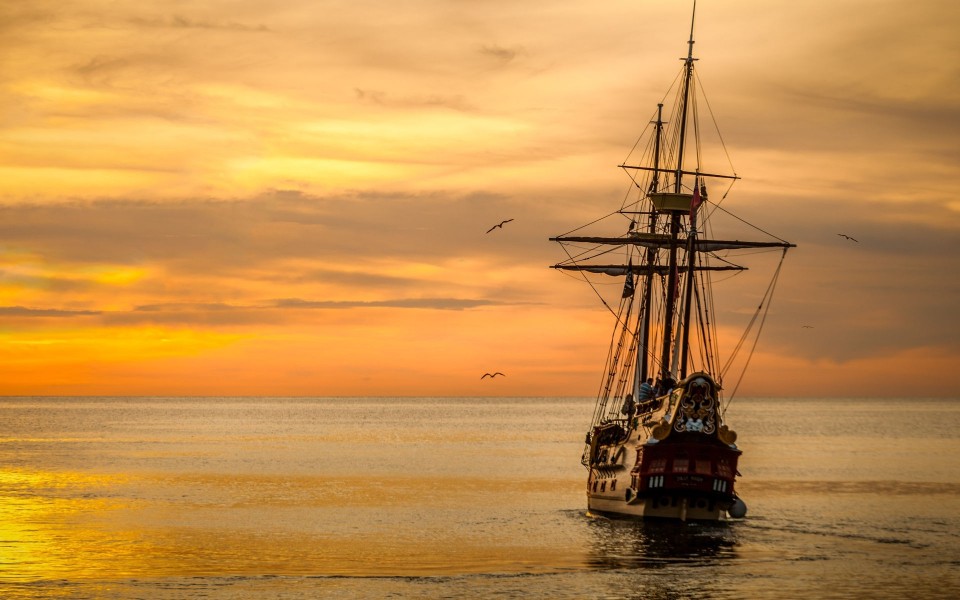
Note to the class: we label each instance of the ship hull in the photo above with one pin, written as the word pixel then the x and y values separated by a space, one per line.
pixel 672 507
pixel 676 461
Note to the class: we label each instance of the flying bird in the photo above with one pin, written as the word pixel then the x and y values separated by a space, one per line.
pixel 500 225
pixel 491 375
pixel 848 237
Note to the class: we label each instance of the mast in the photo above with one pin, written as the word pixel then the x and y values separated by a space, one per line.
pixel 643 367
pixel 684 105
pixel 674 277
pixel 671 293
pixel 684 350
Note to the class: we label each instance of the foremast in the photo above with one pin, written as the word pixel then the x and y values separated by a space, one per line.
pixel 643 365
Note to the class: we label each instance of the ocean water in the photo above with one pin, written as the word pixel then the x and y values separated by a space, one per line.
pixel 250 498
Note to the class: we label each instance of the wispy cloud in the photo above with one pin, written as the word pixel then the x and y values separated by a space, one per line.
pixel 24 312
pixel 381 98
pixel 425 303
pixel 503 55
pixel 178 21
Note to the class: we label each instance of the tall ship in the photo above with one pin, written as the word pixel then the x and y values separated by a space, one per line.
pixel 658 445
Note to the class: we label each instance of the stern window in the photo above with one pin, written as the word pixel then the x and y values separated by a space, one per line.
pixel 723 469
pixel 658 465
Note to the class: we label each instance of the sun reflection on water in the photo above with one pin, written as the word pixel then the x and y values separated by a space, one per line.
pixel 60 526
pixel 40 533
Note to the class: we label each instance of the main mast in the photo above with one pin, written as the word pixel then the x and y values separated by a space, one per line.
pixel 674 276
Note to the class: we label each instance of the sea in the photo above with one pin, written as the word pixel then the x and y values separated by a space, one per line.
pixel 302 498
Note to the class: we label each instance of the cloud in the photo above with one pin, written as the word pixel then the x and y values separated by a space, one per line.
pixel 281 312
pixel 359 279
pixel 181 306
pixel 883 294
pixel 98 65
pixel 185 22
pixel 24 312
pixel 15 17
pixel 501 54
pixel 424 303
pixel 244 235
pixel 212 262
pixel 381 98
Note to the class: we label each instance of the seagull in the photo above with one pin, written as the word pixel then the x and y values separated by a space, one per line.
pixel 492 375
pixel 500 225
pixel 848 237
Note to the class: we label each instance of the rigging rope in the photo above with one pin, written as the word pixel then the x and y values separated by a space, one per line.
pixel 585 225
pixel 716 127
pixel 718 207
pixel 592 287
pixel 768 299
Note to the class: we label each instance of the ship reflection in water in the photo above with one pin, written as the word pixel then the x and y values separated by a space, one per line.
pixel 628 543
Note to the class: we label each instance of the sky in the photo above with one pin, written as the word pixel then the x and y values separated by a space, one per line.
pixel 215 197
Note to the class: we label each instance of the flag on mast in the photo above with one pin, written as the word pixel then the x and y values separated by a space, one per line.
pixel 697 198
pixel 628 284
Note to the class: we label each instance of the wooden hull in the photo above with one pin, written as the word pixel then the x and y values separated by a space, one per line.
pixel 675 507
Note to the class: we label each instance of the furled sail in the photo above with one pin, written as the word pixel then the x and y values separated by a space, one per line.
pixel 664 241
pixel 621 270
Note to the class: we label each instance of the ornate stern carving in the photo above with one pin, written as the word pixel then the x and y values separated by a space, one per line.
pixel 697 412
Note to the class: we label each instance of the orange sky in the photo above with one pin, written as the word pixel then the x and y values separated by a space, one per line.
pixel 243 198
